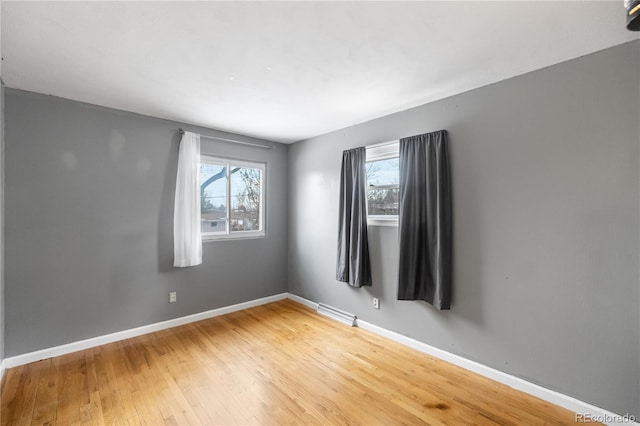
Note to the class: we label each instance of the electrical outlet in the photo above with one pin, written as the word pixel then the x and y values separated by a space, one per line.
pixel 376 303
pixel 172 297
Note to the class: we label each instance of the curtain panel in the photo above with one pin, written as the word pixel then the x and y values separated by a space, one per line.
pixel 353 264
pixel 425 220
pixel 187 240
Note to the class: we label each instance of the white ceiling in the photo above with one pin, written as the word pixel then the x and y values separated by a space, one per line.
pixel 287 71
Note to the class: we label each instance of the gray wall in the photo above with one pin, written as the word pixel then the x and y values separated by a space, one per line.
pixel 1 221
pixel 1 208
pixel 89 219
pixel 545 172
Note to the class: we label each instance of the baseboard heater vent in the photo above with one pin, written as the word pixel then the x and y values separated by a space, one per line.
pixel 337 314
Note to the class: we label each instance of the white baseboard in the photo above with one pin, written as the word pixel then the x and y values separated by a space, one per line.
pixel 517 383
pixel 2 367
pixel 303 301
pixel 17 360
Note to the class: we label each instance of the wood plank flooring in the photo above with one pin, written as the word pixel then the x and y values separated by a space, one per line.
pixel 274 364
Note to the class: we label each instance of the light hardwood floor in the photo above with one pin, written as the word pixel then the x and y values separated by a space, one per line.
pixel 275 364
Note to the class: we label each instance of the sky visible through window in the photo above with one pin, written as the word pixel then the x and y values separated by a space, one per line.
pixel 215 193
pixel 383 172
pixel 383 177
pixel 244 198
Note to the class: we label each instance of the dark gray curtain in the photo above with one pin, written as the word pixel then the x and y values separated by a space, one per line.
pixel 425 220
pixel 353 264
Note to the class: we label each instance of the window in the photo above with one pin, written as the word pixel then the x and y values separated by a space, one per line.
pixel 231 198
pixel 383 177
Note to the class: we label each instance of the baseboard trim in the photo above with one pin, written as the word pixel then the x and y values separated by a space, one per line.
pixel 2 367
pixel 27 358
pixel 303 301
pixel 553 397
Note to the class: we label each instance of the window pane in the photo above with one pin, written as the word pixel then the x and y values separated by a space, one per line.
pixel 382 180
pixel 383 172
pixel 383 201
pixel 213 197
pixel 246 185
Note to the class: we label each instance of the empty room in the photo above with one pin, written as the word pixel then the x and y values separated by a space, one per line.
pixel 301 212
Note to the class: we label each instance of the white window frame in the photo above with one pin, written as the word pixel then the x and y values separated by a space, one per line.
pixel 379 152
pixel 229 234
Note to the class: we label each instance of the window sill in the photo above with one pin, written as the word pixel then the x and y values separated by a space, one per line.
pixel 235 236
pixel 382 221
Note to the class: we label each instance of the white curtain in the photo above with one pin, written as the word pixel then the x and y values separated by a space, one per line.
pixel 187 242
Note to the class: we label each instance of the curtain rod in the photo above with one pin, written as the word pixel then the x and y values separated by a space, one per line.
pixel 231 140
